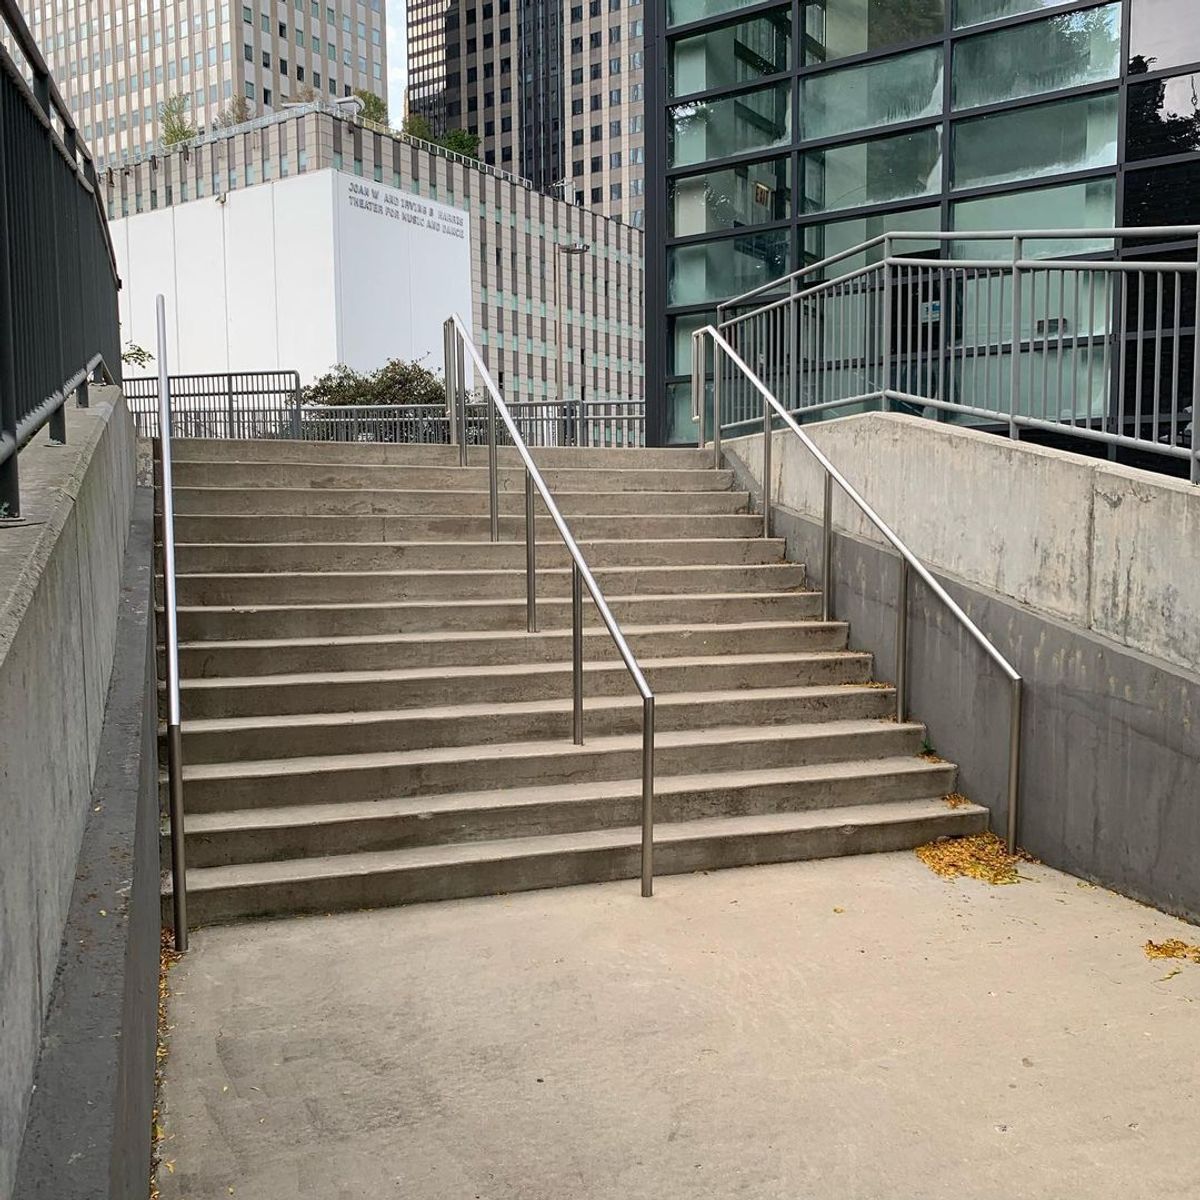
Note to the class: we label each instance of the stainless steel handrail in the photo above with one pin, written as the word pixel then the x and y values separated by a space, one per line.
pixel 174 733
pixel 457 341
pixel 909 561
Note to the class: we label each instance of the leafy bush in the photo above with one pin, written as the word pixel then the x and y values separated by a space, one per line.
pixel 396 382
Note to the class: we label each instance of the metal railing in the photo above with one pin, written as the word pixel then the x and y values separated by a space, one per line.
pixel 459 348
pixel 171 641
pixel 58 276
pixel 724 354
pixel 230 404
pixel 1033 330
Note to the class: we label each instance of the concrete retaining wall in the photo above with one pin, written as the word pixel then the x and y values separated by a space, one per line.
pixel 60 589
pixel 1086 576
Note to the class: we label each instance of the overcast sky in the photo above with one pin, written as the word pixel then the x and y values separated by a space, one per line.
pixel 397 60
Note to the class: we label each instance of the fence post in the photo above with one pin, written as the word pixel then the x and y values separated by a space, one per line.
pixel 41 92
pixel 1014 382
pixel 296 409
pixel 10 491
pixel 886 353
pixel 229 417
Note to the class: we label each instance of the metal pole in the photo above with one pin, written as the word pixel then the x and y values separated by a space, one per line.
pixel 1014 764
pixel 451 385
pixel 827 552
pixel 766 479
pixel 577 653
pixel 10 489
pixel 886 353
pixel 1195 461
pixel 648 796
pixel 493 476
pixel 229 404
pixel 460 385
pixel 530 557
pixel 1014 382
pixel 902 644
pixel 716 431
pixel 558 347
pixel 174 732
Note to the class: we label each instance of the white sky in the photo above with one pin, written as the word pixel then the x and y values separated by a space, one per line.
pixel 397 60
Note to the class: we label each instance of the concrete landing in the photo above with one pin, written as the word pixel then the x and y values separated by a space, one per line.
pixel 736 1036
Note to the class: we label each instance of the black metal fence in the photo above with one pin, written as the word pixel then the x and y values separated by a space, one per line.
pixel 58 275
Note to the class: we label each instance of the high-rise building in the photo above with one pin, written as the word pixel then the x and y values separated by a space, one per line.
pixel 118 63
pixel 783 135
pixel 554 90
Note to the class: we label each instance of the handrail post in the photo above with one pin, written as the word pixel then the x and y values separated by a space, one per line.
pixel 648 796
pixel 460 386
pixel 10 487
pixel 716 407
pixel 174 732
pixel 448 340
pixel 1014 381
pixel 576 654
pixel 766 470
pixel 902 644
pixel 1014 763
pixel 827 551
pixel 530 557
pixel 886 333
pixel 493 480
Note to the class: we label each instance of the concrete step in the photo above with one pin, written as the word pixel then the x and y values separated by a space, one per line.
pixel 332 779
pixel 249 557
pixel 194 450
pixel 389 877
pixel 382 652
pixel 312 831
pixel 345 692
pixel 465 500
pixel 333 587
pixel 320 473
pixel 316 620
pixel 240 527
pixel 238 739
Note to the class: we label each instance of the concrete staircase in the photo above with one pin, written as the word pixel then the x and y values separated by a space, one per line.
pixel 366 721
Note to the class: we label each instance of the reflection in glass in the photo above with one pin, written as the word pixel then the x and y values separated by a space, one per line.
pixel 1090 205
pixel 1163 33
pixel 753 194
pixel 1043 56
pixel 733 54
pixel 680 347
pixel 975 12
pixel 1163 117
pixel 826 240
pixel 1027 143
pixel 836 28
pixel 899 167
pixel 708 129
pixel 679 12
pixel 1163 195
pixel 718 270
pixel 903 88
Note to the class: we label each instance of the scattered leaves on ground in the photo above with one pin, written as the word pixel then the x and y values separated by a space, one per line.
pixel 168 956
pixel 1173 948
pixel 955 800
pixel 981 856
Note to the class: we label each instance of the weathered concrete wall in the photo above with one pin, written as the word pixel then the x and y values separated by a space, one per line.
pixel 1105 547
pixel 1110 779
pixel 60 576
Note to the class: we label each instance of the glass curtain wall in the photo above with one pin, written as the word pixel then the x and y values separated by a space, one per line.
pixel 794 131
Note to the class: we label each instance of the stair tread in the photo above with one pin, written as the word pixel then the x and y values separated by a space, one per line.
pixel 453 712
pixel 480 635
pixel 474 572
pixel 369 862
pixel 478 543
pixel 515 797
pixel 532 669
pixel 714 735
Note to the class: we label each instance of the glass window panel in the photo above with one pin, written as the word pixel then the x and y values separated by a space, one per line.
pixel 718 270
pixel 681 429
pixel 903 88
pixel 1163 195
pixel 1163 117
pixel 680 348
pixel 733 54
pixel 1090 205
pixel 1042 56
pixel 1163 33
pixel 679 12
pixel 753 194
pixel 899 167
pixel 708 129
pixel 975 12
pixel 836 28
pixel 824 241
pixel 1027 143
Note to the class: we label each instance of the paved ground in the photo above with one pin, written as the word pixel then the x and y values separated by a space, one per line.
pixel 738 1036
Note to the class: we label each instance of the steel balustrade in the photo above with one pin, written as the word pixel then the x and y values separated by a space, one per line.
pixel 459 348
pixel 724 354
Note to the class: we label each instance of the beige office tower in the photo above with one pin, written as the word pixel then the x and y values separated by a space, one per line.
pixel 118 63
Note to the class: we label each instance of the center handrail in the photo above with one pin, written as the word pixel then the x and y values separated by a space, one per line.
pixel 457 340
pixel 909 560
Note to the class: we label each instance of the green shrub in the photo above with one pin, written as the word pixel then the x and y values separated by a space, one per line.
pixel 396 382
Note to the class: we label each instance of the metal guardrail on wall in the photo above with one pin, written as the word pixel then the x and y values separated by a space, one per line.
pixel 1029 330
pixel 239 404
pixel 58 275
